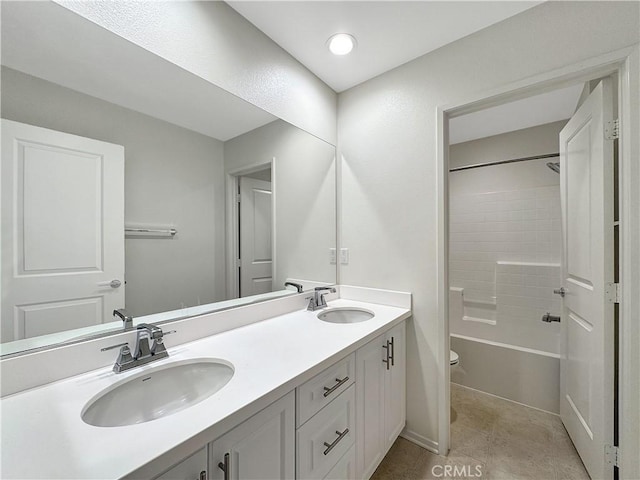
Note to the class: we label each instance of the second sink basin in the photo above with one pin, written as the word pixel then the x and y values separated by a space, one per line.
pixel 346 315
pixel 157 392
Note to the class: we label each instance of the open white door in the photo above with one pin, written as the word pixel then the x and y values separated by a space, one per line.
pixel 587 365
pixel 62 231
pixel 256 255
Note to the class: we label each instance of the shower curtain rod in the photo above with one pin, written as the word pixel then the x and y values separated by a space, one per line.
pixel 513 160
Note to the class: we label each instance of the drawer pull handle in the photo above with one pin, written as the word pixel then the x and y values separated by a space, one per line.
pixel 225 467
pixel 335 442
pixel 328 391
pixel 386 348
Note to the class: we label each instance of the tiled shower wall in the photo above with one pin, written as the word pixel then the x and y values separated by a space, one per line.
pixel 505 249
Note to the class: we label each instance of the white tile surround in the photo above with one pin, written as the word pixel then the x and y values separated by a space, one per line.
pixel 505 249
pixel 517 226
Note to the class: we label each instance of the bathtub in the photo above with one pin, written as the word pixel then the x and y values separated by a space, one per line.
pixel 530 376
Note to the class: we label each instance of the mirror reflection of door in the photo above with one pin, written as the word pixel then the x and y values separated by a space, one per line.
pixel 63 254
pixel 255 233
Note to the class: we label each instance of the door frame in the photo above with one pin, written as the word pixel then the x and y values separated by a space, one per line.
pixel 232 247
pixel 626 63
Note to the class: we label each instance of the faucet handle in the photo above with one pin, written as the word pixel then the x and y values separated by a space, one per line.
pixel 124 357
pixel 158 349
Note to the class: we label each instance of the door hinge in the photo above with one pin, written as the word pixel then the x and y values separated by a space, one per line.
pixel 612 455
pixel 612 129
pixel 239 263
pixel 613 292
pixel 238 198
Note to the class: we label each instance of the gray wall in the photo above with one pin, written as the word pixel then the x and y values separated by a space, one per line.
pixel 519 143
pixel 172 176
pixel 387 145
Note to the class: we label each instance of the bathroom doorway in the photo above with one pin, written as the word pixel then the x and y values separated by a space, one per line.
pixel 511 251
pixel 251 231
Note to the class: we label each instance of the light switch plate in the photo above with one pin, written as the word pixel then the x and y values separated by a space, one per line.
pixel 344 256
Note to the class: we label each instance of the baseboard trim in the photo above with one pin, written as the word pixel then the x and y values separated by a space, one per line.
pixel 421 441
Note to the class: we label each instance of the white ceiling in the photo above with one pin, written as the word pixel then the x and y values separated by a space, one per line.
pixel 528 112
pixel 389 33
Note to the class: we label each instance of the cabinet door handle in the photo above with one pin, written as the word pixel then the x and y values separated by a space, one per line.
pixel 386 347
pixel 203 475
pixel 225 467
pixel 328 391
pixel 330 446
pixel 393 352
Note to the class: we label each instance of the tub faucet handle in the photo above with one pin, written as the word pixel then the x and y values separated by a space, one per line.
pixel 547 317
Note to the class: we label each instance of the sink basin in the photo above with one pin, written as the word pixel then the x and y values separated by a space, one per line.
pixel 157 392
pixel 346 315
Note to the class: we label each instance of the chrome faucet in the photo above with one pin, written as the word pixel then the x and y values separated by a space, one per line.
pixel 127 319
pixel 317 301
pixel 149 333
pixel 144 351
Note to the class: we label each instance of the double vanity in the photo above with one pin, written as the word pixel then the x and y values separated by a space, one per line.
pixel 294 393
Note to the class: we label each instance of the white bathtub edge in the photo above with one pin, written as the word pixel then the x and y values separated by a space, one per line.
pixel 505 345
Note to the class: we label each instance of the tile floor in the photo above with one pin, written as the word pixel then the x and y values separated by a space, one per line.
pixel 492 439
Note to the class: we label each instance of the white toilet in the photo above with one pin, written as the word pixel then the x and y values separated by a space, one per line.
pixel 454 359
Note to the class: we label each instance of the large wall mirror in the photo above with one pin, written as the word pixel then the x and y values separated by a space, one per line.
pixel 128 182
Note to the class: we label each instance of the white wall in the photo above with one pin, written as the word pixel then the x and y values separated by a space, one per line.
pixel 387 143
pixel 172 176
pixel 216 43
pixel 305 192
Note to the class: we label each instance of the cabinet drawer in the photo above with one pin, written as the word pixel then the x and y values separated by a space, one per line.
pixel 345 469
pixel 324 387
pixel 326 437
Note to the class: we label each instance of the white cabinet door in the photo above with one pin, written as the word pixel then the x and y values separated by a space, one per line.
pixel 191 468
pixel 261 448
pixel 370 444
pixel 62 231
pixel 395 386
pixel 380 398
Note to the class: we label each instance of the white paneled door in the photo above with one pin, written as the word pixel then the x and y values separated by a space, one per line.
pixel 62 231
pixel 587 192
pixel 256 253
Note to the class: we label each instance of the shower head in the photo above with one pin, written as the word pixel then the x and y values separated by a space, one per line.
pixel 555 166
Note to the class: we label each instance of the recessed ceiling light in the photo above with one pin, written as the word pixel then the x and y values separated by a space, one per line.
pixel 341 43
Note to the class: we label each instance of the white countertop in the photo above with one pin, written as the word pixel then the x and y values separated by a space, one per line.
pixel 43 435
